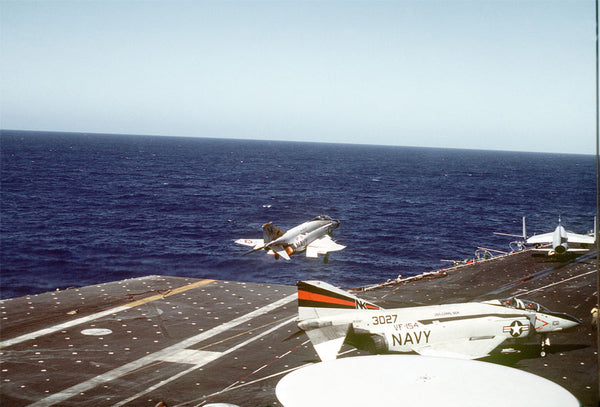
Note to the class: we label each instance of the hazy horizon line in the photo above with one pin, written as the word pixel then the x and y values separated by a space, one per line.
pixel 95 133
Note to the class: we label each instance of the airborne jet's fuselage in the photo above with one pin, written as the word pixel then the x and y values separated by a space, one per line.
pixel 298 237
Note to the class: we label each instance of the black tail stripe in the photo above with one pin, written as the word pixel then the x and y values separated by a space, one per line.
pixel 319 304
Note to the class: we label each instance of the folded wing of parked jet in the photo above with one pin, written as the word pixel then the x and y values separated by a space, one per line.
pixel 546 238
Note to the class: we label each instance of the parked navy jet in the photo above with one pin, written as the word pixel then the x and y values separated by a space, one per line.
pixel 555 243
pixel 560 241
pixel 312 237
pixel 331 316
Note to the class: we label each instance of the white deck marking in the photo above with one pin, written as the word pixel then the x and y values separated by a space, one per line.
pixel 159 355
pixel 191 356
pixel 59 327
pixel 557 283
pixel 191 369
pixel 83 320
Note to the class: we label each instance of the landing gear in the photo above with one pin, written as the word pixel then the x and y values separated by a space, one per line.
pixel 545 342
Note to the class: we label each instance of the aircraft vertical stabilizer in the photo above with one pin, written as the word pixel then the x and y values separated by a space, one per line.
pixel 319 304
pixel 317 299
pixel 271 232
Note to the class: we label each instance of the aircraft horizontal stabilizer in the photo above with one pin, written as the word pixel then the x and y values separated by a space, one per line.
pixel 552 251
pixel 255 243
pixel 280 251
pixel 327 341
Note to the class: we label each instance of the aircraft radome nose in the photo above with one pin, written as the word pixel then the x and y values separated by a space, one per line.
pixel 570 322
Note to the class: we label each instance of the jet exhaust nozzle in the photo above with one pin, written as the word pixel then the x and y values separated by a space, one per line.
pixel 560 249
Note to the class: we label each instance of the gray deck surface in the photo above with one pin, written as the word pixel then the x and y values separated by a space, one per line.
pixel 189 342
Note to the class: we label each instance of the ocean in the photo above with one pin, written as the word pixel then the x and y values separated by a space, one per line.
pixel 83 209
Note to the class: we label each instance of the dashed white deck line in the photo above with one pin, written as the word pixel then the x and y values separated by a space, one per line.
pixel 92 317
pixel 557 283
pixel 161 354
pixel 60 327
pixel 192 356
pixel 204 362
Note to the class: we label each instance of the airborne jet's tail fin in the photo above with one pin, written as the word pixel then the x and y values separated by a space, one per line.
pixel 271 232
pixel 325 313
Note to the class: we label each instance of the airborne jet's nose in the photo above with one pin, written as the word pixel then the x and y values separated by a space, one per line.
pixel 334 223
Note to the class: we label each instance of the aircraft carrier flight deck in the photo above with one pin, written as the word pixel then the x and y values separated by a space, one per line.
pixel 175 341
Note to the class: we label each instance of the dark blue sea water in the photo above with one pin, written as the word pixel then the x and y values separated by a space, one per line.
pixel 82 209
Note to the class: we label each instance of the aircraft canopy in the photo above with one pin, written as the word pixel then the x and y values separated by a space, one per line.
pixel 523 304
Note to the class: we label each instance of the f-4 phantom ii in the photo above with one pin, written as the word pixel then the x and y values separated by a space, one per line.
pixel 331 316
pixel 312 237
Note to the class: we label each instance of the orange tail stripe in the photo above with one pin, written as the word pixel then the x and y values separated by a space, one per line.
pixel 305 295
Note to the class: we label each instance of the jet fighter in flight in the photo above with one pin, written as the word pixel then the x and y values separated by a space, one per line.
pixel 312 237
pixel 331 316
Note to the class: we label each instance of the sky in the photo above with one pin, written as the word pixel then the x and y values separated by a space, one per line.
pixel 498 75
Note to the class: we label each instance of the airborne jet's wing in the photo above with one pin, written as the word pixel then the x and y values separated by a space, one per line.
pixel 540 239
pixel 322 245
pixel 464 348
pixel 580 239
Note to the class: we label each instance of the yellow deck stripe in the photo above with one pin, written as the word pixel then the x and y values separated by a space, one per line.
pixel 171 292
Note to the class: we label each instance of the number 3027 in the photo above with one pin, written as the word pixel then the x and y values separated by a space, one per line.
pixel 384 319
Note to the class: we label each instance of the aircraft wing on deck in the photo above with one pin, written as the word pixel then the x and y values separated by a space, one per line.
pixel 540 239
pixel 580 239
